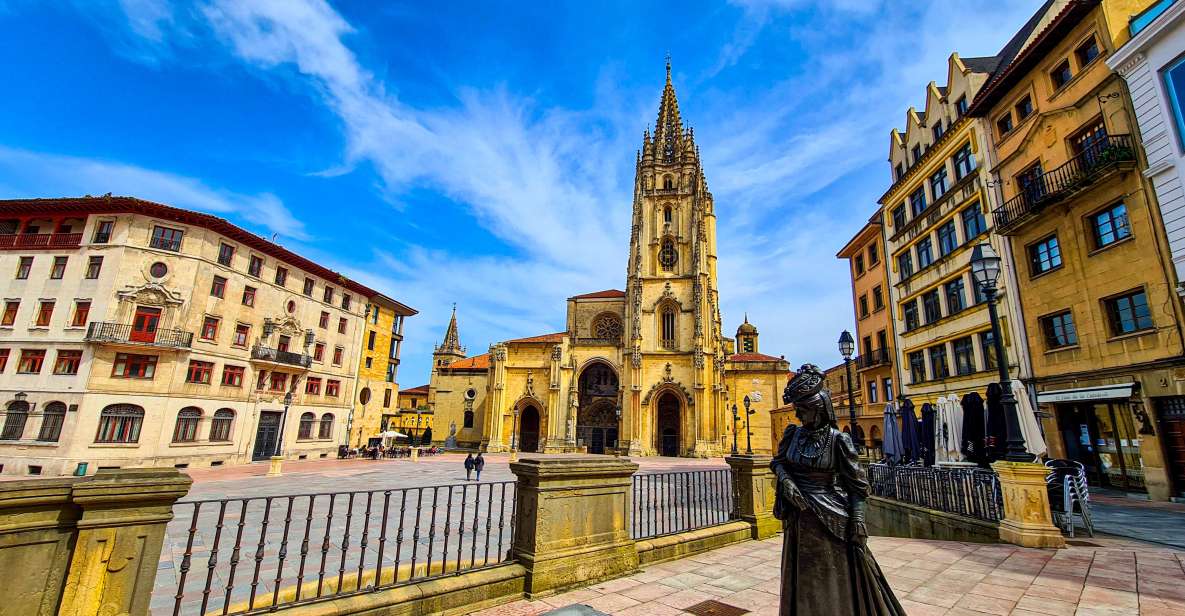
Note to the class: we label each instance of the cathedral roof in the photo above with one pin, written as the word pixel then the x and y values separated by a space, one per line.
pixel 477 362
pixel 556 337
pixel 754 357
pixel 606 294
pixel 422 389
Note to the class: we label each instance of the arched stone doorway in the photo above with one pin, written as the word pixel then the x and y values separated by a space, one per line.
pixel 667 432
pixel 596 418
pixel 528 432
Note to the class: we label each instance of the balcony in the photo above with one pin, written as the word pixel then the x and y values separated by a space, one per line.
pixel 879 357
pixel 118 333
pixel 1097 161
pixel 262 353
pixel 27 241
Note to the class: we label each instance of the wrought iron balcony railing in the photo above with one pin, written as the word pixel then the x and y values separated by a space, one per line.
pixel 281 357
pixel 878 357
pixel 1095 161
pixel 18 241
pixel 119 333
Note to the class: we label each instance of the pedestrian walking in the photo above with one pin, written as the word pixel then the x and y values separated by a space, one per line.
pixel 468 466
pixel 478 464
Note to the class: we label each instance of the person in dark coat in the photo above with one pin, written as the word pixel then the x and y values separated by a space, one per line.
pixel 973 428
pixel 478 464
pixel 995 440
pixel 468 466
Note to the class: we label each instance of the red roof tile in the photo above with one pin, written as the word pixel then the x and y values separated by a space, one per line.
pixel 606 294
pixel 422 389
pixel 556 337
pixel 754 357
pixel 477 362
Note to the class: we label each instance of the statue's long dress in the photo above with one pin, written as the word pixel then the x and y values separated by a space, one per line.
pixel 823 573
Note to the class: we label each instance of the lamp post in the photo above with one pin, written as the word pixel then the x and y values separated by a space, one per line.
pixel 274 466
pixel 748 432
pixel 417 432
pixel 847 345
pixel 735 417
pixel 514 435
pixel 985 270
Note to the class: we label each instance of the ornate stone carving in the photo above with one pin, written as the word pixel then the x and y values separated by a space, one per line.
pixel 557 352
pixel 668 384
pixel 150 294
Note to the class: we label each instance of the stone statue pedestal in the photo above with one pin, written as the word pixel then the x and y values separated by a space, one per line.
pixel 753 486
pixel 1028 520
pixel 273 466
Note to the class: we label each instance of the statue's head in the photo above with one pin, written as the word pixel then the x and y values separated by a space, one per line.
pixel 811 400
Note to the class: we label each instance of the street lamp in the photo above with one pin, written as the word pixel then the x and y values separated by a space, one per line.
pixel 514 432
pixel 847 346
pixel 748 432
pixel 283 420
pixel 735 417
pixel 417 442
pixel 985 271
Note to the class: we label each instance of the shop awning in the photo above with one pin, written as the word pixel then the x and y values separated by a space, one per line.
pixel 1101 392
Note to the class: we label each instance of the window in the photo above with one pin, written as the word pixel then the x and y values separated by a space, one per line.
pixel 872 391
pixel 261 381
pixel 900 172
pixel 963 161
pixel 130 366
pixel 1110 225
pixel 232 376
pixel 973 222
pixel 186 429
pixel 67 362
pixel 1059 330
pixel 332 388
pixel 346 299
pixel 387 399
pixel 341 325
pixel 319 351
pixel 242 332
pixel 964 355
pixel 1087 52
pixel 898 217
pixel 120 423
pixel 938 185
pixel 938 363
pixel 308 287
pixel 917 153
pixel 326 428
pixel 165 238
pixel 1004 124
pixel 10 310
pixel 948 240
pixel 917 201
pixel 936 131
pixel 82 311
pixel 337 356
pixel 312 385
pixel 1061 75
pixel 911 315
pixel 209 328
pixel 925 253
pixel 218 287
pixel 917 367
pixel 987 346
pixel 282 344
pixel 281 276
pixel 863 306
pixel 878 298
pixel 248 296
pixel 52 421
pixel 93 266
pixel 307 421
pixel 955 300
pixel 324 321
pixel 977 292
pixel 1044 256
pixel 468 421
pixel 255 266
pixel 14 421
pixel 905 264
pixel 278 382
pixel 58 270
pixel 226 254
pixel 668 326
pixel 667 255
pixel 1174 82
pixel 220 426
pixel 874 256
pixel 1129 313
pixel 1024 108
pixel 199 372
pixel 23 267
pixel 370 341
pixel 44 314
pixel 31 361
pixel 4 359
pixel 961 106
pixel 931 306
pixel 666 214
pixel 1090 142
pixel 328 295
pixel 103 231
pixel 859 264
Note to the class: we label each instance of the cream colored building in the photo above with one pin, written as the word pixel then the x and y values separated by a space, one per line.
pixel 137 334
pixel 643 371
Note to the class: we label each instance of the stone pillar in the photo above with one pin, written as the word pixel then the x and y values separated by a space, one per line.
pixel 753 491
pixel 120 533
pixel 571 521
pixel 36 534
pixel 1028 520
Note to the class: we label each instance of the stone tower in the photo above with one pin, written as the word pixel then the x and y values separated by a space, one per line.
pixel 673 345
pixel 747 337
pixel 450 348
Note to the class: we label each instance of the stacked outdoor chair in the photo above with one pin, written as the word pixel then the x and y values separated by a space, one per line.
pixel 1069 495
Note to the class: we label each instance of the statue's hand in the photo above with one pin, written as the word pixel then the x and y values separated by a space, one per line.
pixel 857 532
pixel 793 494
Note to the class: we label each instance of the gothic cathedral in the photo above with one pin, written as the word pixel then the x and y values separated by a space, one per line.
pixel 647 371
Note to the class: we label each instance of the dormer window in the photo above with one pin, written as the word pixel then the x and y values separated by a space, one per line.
pixel 917 153
pixel 961 106
pixel 937 130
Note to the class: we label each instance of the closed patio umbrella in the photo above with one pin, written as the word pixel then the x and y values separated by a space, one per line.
pixel 951 433
pixel 926 437
pixel 1034 442
pixel 891 442
pixel 909 432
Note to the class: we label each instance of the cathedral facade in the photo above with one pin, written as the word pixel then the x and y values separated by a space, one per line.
pixel 644 371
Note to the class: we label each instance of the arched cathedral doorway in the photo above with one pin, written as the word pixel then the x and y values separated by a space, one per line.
pixel 529 430
pixel 667 430
pixel 596 417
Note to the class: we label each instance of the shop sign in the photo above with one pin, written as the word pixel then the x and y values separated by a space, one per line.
pixel 1105 392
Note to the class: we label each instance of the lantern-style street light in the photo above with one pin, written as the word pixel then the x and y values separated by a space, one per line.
pixel 748 432
pixel 514 435
pixel 283 419
pixel 847 346
pixel 735 418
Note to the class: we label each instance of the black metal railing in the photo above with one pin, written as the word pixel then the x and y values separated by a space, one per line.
pixel 877 357
pixel 972 492
pixel 281 357
pixel 256 554
pixel 667 503
pixel 119 333
pixel 1056 184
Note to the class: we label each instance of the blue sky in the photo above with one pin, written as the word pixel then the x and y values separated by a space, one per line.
pixel 482 152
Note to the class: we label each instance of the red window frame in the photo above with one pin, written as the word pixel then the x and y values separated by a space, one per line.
pixel 218 287
pixel 232 376
pixel 341 325
pixel 337 355
pixel 249 296
pixel 328 295
pixel 31 361
pixel 4 359
pixel 167 238
pixel 58 270
pixel 282 276
pixel 242 334
pixel 226 254
pixel 67 362
pixel 199 372
pixel 209 328
pixel 44 313
pixel 133 366
pixel 324 322
pixel 255 266
pixel 278 381
pixel 319 351
pixel 332 388
pixel 312 386
pixel 94 265
pixel 24 266
pixel 308 287
pixel 82 312
pixel 10 310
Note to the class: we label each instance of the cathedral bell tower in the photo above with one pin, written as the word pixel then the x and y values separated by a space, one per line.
pixel 673 343
pixel 450 348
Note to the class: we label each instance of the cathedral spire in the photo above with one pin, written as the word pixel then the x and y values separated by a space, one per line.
pixel 668 129
pixel 451 346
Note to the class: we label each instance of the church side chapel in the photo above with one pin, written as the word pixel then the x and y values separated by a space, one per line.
pixel 644 371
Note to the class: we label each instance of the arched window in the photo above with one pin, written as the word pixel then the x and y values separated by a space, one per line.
pixel 14 421
pixel 326 429
pixel 120 423
pixel 307 421
pixel 220 427
pixel 668 183
pixel 468 419
pixel 51 422
pixel 188 419
pixel 668 326
pixel 607 327
pixel 667 215
pixel 667 255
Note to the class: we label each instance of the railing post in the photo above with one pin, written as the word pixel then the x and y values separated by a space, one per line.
pixel 1028 520
pixel 753 492
pixel 571 524
pixel 120 533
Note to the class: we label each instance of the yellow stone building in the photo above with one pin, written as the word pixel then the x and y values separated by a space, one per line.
pixel 378 368
pixel 1096 282
pixel 643 371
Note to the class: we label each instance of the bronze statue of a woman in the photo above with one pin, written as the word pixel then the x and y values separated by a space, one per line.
pixel 826 565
